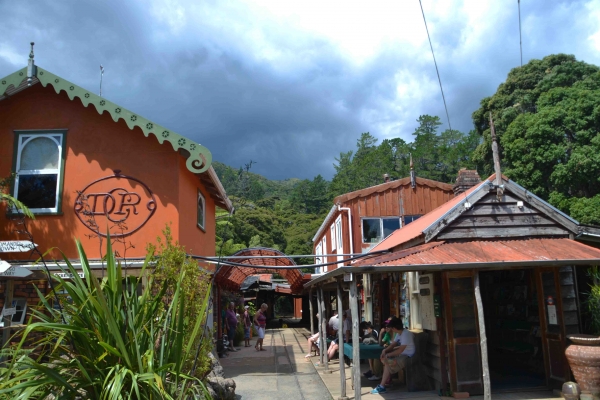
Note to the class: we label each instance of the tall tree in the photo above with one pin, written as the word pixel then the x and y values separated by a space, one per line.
pixel 547 116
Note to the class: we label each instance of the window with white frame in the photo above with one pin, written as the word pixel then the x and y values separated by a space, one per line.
pixel 39 168
pixel 338 233
pixel 318 258
pixel 324 244
pixel 374 230
pixel 201 217
pixel 333 238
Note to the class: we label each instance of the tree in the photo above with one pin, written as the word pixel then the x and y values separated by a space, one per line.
pixel 547 116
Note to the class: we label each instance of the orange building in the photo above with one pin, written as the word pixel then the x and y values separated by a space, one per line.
pixel 85 165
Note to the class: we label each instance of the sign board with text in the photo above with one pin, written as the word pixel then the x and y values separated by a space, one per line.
pixel 10 311
pixel 16 246
pixel 15 272
pixel 68 275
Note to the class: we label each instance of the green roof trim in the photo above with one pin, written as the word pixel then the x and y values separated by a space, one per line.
pixel 200 158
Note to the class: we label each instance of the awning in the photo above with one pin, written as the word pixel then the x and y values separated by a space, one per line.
pixel 474 254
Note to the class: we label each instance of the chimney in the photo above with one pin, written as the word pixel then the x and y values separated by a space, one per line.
pixel 386 178
pixel 467 178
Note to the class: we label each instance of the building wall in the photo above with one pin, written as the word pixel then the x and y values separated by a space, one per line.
pixel 95 146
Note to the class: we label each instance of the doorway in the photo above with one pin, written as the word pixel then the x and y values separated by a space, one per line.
pixel 512 322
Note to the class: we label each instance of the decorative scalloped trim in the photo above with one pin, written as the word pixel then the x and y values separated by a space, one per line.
pixel 13 79
pixel 200 157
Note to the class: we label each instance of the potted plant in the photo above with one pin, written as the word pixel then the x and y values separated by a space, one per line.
pixel 584 354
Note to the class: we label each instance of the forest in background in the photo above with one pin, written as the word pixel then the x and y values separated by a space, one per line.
pixel 547 118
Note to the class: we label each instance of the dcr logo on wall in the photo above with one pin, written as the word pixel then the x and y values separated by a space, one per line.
pixel 120 203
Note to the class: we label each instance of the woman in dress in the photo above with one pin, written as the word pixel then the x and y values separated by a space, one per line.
pixel 260 319
pixel 231 321
pixel 247 326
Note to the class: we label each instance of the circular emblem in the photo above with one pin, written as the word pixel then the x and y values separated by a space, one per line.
pixel 133 118
pixel 122 204
pixel 102 102
pixel 165 134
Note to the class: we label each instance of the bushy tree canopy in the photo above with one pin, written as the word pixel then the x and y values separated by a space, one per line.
pixel 547 117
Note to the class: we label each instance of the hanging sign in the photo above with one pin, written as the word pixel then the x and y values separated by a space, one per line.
pixel 9 311
pixel 16 246
pixel 14 272
pixel 68 275
pixel 118 202
pixel 348 277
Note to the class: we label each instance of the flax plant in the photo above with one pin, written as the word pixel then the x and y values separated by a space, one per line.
pixel 115 343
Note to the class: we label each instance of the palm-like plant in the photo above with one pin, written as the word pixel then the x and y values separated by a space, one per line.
pixel 114 344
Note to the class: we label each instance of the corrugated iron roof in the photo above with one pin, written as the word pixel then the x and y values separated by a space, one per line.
pixel 231 277
pixel 417 227
pixel 487 251
pixel 390 185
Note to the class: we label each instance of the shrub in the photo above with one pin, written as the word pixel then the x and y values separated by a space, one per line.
pixel 113 344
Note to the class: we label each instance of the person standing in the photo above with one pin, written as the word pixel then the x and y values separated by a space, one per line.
pixel 232 321
pixel 247 326
pixel 260 319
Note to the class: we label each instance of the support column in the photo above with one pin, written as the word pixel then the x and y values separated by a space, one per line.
pixel 321 335
pixel 324 330
pixel 483 338
pixel 341 349
pixel 312 315
pixel 368 299
pixel 8 298
pixel 355 341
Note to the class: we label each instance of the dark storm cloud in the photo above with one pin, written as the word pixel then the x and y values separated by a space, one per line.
pixel 293 120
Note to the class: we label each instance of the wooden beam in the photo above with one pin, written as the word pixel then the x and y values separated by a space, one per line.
pixel 324 330
pixel 355 341
pixel 321 336
pixel 520 232
pixel 8 298
pixel 483 341
pixel 312 314
pixel 341 343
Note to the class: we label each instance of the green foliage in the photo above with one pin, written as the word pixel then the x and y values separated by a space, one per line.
pixel 115 343
pixel 593 300
pixel 170 261
pixel 5 184
pixel 547 116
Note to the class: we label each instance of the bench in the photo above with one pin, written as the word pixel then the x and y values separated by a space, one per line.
pixel 416 377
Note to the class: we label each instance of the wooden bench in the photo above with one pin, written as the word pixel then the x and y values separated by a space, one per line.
pixel 415 371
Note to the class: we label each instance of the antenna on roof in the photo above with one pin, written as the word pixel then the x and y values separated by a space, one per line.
pixel 30 67
pixel 101 75
pixel 413 177
pixel 496 155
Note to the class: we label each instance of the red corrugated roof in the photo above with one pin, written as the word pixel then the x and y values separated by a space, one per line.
pixel 487 251
pixel 231 277
pixel 416 228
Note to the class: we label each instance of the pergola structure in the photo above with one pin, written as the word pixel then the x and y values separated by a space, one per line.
pixel 258 261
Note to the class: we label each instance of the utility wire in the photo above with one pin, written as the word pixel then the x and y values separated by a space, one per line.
pixel 436 66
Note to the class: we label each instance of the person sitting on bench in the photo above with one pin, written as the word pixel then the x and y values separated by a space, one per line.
pixel 394 356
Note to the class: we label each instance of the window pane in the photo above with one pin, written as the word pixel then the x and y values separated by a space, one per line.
pixel 371 230
pixel 390 225
pixel 38 191
pixel 410 218
pixel 40 153
pixel 200 210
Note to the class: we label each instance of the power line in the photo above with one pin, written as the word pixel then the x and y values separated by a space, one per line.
pixel 436 66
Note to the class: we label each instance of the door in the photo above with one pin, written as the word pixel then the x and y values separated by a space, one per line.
pixel 552 326
pixel 462 329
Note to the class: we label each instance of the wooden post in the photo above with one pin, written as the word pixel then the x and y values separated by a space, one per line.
pixel 8 298
pixel 341 343
pixel 368 289
pixel 483 341
pixel 312 315
pixel 496 157
pixel 324 356
pixel 355 334
pixel 321 335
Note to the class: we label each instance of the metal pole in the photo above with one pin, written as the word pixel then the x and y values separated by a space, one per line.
pixel 355 334
pixel 341 343
pixel 8 298
pixel 483 340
